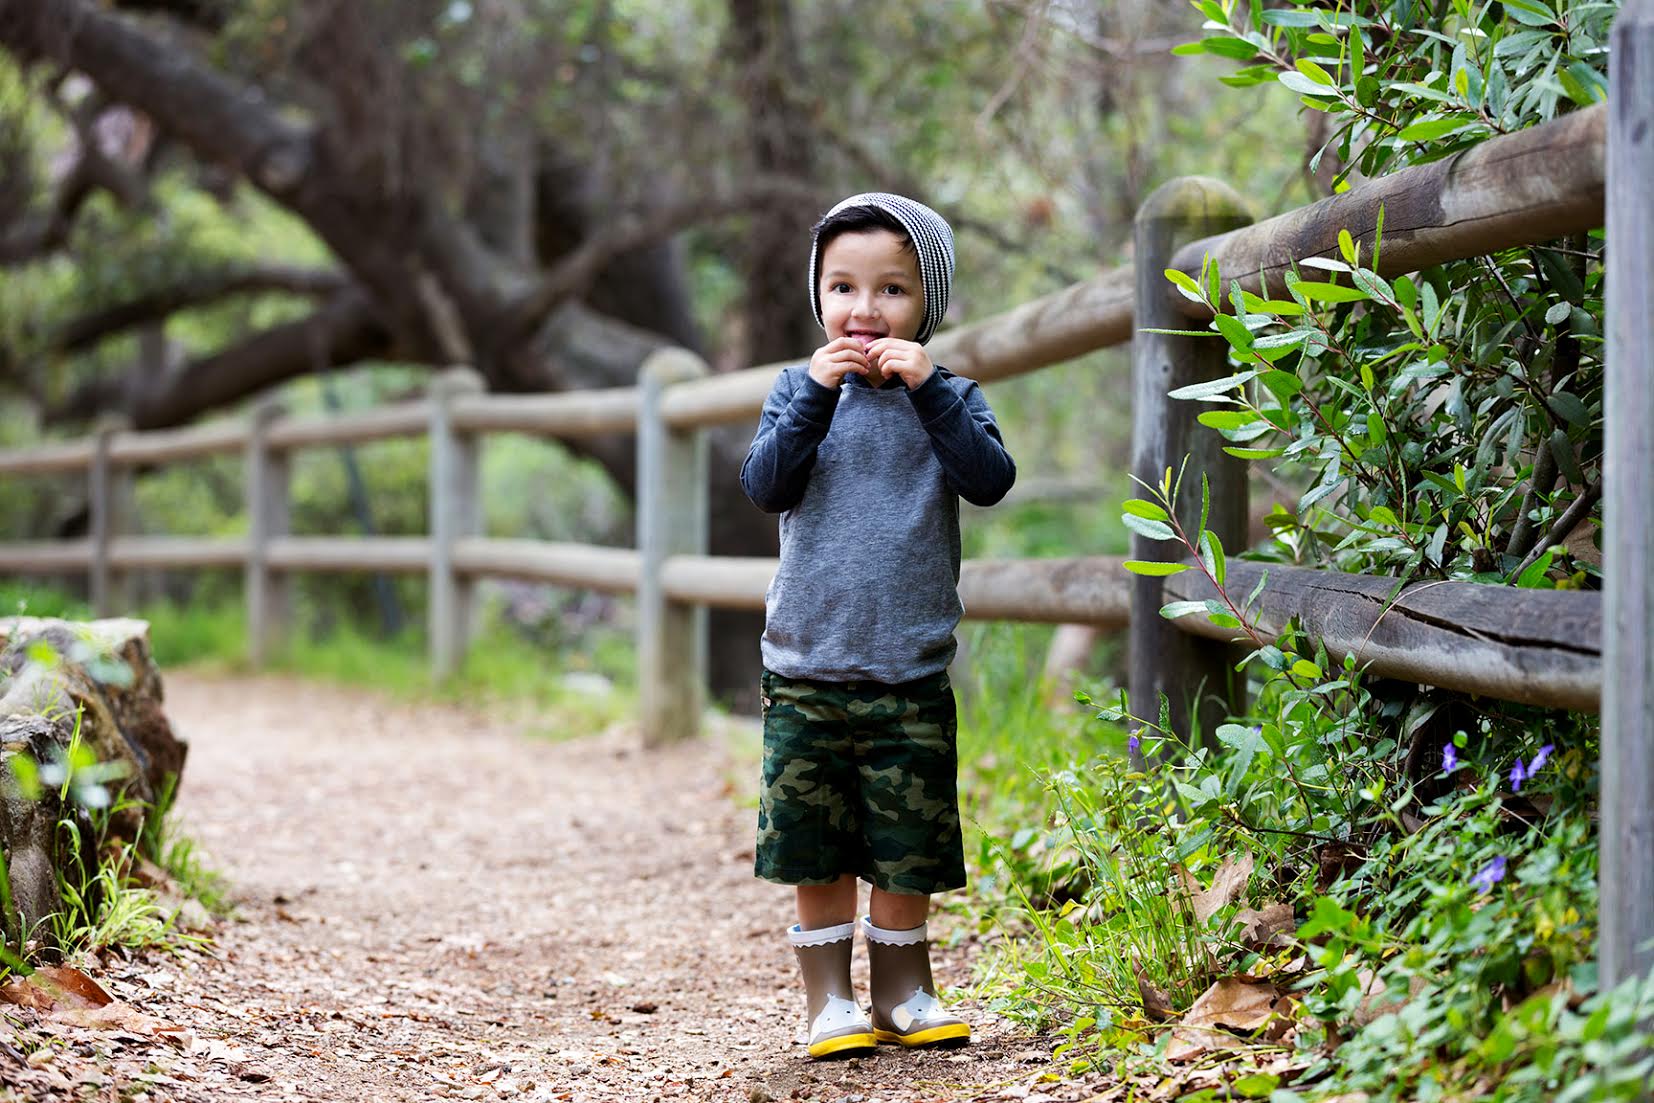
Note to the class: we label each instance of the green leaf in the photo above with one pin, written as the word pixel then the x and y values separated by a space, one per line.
pixel 1211 553
pixel 1530 578
pixel 1174 609
pixel 1303 668
pixel 1254 453
pixel 1558 313
pixel 1154 570
pixel 1426 130
pixel 1346 245
pixel 1286 17
pixel 1568 407
pixel 1311 88
pixel 1375 427
pixel 1331 293
pixel 1186 285
pixel 1282 385
pixel 1531 12
pixel 1139 507
pixel 1231 47
pixel 1228 419
pixel 1315 73
pixel 1373 284
pixel 1211 388
pixel 27 771
pixel 1142 526
pixel 1237 334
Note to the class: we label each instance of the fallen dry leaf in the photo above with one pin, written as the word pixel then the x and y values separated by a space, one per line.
pixel 1237 1003
pixel 55 986
pixel 1228 883
pixel 1264 927
pixel 123 1017
pixel 1157 1005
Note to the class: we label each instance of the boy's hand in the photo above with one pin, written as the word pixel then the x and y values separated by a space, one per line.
pixel 893 356
pixel 837 359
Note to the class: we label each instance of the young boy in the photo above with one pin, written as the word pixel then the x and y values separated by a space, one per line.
pixel 865 452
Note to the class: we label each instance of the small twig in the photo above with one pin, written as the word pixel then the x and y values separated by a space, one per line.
pixel 1572 516
pixel 1544 478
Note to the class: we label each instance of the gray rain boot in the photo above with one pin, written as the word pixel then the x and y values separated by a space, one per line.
pixel 905 1007
pixel 837 1024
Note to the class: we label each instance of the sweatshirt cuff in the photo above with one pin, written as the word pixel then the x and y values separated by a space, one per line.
pixel 933 397
pixel 813 402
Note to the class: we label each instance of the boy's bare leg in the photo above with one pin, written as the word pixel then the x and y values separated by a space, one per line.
pixel 827 905
pixel 897 911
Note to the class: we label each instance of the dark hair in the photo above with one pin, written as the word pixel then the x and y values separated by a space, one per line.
pixel 856 220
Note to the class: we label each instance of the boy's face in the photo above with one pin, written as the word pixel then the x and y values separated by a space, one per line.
pixel 870 288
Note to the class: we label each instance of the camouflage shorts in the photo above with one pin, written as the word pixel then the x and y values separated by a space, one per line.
pixel 860 777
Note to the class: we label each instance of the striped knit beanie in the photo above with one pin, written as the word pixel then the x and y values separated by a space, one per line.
pixel 932 238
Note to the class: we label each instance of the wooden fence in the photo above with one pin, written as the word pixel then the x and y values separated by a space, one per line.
pixel 1539 647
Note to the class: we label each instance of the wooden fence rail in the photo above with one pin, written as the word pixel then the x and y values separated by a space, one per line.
pixel 1520 189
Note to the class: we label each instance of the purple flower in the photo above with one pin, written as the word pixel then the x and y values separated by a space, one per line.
pixel 1517 776
pixel 1450 759
pixel 1539 759
pixel 1133 743
pixel 1489 875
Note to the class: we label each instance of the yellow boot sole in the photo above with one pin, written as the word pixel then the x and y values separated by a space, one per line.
pixel 952 1032
pixel 833 1046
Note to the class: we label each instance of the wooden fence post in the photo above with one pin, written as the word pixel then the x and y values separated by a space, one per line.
pixel 109 500
pixel 268 592
pixel 1626 871
pixel 1164 660
pixel 672 505
pixel 456 513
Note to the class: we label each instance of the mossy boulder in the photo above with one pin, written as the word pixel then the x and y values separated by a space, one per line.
pixel 60 682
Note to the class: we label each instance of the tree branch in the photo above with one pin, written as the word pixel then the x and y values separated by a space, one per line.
pixel 197 290
pixel 572 275
pixel 341 332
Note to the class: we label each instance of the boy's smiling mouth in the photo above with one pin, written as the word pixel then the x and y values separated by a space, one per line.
pixel 865 336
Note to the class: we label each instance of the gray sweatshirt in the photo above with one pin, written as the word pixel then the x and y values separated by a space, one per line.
pixel 867 481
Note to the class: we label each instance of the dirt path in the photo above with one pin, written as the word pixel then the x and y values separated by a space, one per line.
pixel 435 906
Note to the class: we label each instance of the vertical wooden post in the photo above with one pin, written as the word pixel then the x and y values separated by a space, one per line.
pixel 268 591
pixel 672 507
pixel 109 495
pixel 456 513
pixel 1627 841
pixel 1164 660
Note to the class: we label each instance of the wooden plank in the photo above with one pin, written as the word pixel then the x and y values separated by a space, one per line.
pixel 398 419
pixel 45 557
pixel 404 554
pixel 47 458
pixel 1197 677
pixel 1092 314
pixel 568 414
pixel 109 499
pixel 177 551
pixel 267 472
pixel 1087 589
pixel 672 512
pixel 613 570
pixel 1082 590
pixel 1538 647
pixel 723 581
pixel 172 445
pixel 1626 946
pixel 1535 185
pixel 455 514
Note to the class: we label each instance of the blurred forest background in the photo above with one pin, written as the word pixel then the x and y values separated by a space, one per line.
pixel 549 189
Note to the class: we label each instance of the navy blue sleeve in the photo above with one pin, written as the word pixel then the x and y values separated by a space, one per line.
pixel 965 437
pixel 794 421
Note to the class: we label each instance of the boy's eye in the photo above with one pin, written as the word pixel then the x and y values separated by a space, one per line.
pixel 896 289
pixel 840 286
